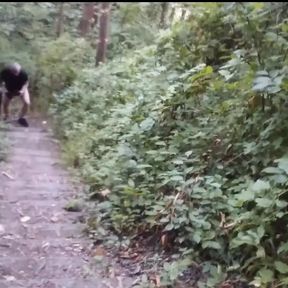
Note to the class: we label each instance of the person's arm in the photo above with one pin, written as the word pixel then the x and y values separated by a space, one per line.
pixel 25 86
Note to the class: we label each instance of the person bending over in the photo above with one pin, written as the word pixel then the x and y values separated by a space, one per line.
pixel 15 80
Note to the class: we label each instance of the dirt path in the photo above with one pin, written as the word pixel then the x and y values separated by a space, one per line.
pixel 41 245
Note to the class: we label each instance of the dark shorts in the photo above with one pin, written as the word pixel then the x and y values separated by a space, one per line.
pixel 10 94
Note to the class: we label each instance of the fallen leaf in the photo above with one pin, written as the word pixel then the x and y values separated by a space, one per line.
pixel 54 219
pixel 41 267
pixel 20 212
pixel 124 254
pixel 136 271
pixel 2 229
pixel 99 251
pixel 25 219
pixel 7 175
pixel 105 192
pixel 227 284
pixel 107 284
pixel 223 220
pixel 45 245
pixel 158 281
pixel 9 278
pixel 112 272
pixel 120 283
pixel 164 240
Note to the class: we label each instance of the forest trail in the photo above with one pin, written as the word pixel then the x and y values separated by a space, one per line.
pixel 41 244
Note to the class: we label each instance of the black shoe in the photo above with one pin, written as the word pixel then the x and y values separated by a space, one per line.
pixel 23 122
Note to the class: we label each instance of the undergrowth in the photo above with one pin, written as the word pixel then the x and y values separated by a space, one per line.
pixel 186 140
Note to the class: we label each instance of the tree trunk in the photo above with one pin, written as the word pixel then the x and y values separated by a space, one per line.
pixel 60 22
pixel 96 15
pixel 103 33
pixel 183 14
pixel 172 15
pixel 164 12
pixel 87 18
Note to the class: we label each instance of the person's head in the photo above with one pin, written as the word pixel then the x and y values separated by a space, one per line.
pixel 15 68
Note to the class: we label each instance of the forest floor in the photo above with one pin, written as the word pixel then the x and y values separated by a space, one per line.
pixel 41 243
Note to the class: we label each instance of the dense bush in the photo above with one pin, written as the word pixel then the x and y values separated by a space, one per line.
pixel 184 148
pixel 60 62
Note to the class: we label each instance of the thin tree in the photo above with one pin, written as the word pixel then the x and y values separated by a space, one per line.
pixel 103 33
pixel 60 20
pixel 183 14
pixel 87 18
pixel 164 13
pixel 172 15
pixel 96 15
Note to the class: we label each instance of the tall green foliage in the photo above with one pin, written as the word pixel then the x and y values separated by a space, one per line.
pixel 175 133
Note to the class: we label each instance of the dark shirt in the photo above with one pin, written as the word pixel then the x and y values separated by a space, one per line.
pixel 12 82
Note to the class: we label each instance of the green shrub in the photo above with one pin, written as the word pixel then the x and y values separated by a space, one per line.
pixel 178 149
pixel 59 64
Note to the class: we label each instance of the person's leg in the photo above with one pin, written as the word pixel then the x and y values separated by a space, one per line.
pixel 6 101
pixel 1 93
pixel 25 97
pixel 26 103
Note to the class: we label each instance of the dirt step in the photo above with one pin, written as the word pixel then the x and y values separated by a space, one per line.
pixel 6 242
pixel 67 283
pixel 35 248
pixel 11 127
pixel 30 184
pixel 24 130
pixel 37 267
pixel 26 159
pixel 53 215
pixel 49 249
pixel 34 205
pixel 36 153
pixel 46 211
pixel 26 141
pixel 34 194
pixel 24 171
pixel 42 230
pixel 37 178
